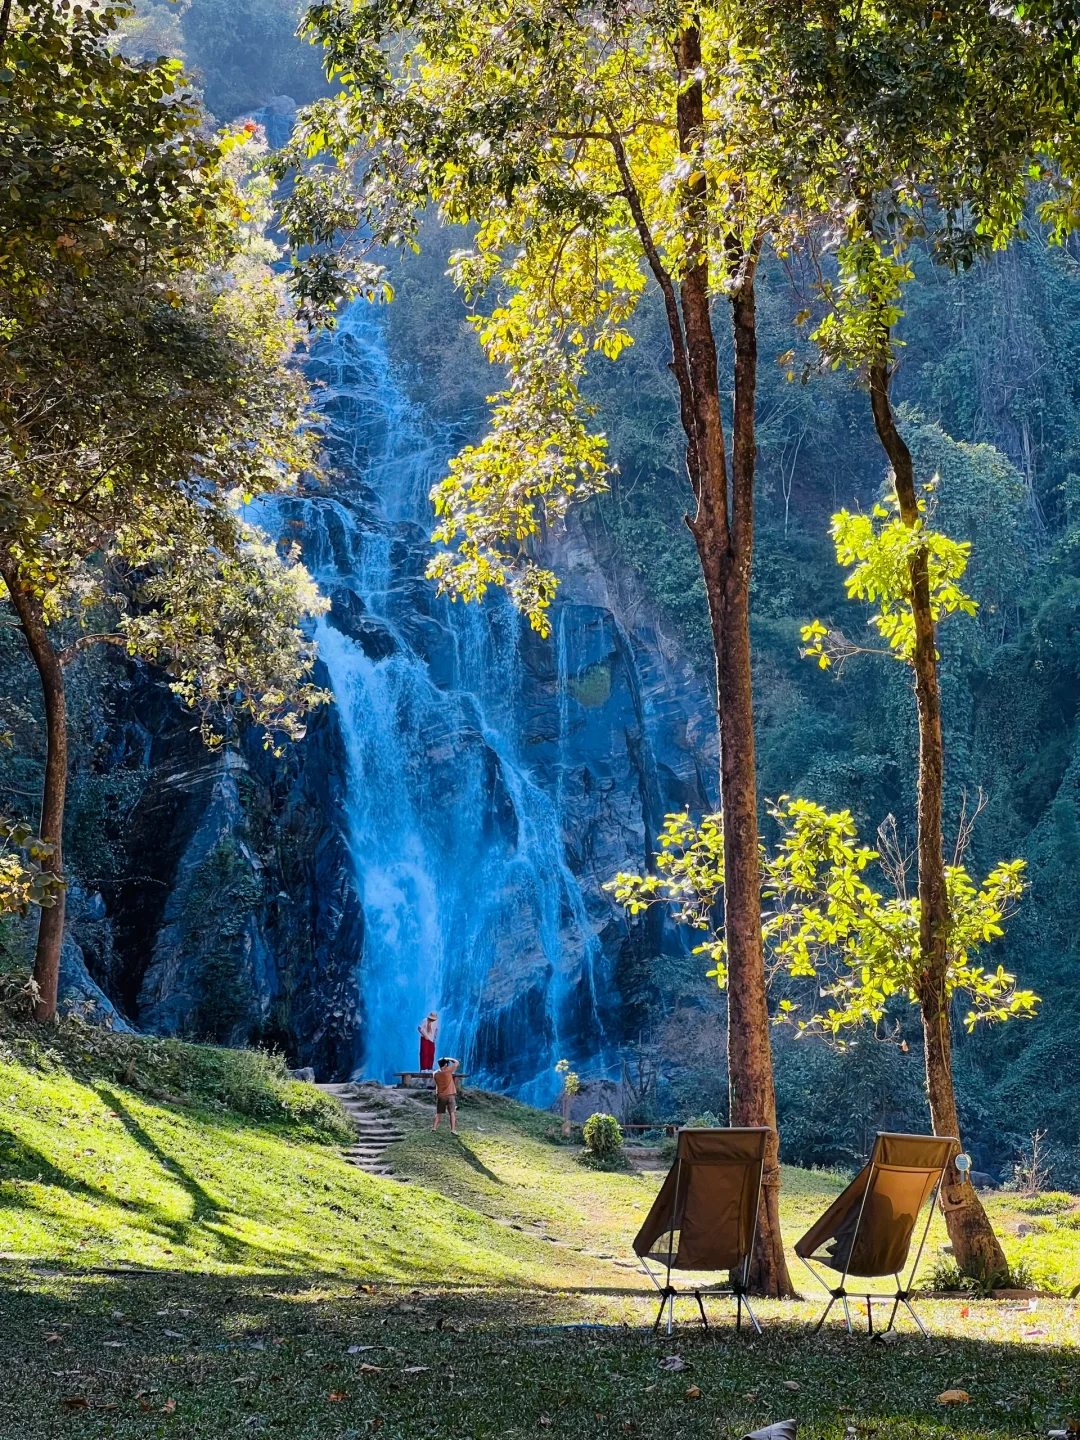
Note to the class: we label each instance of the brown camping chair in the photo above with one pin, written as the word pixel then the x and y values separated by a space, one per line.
pixel 867 1230
pixel 705 1216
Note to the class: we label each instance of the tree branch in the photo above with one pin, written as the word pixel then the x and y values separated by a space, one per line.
pixel 679 366
pixel 84 642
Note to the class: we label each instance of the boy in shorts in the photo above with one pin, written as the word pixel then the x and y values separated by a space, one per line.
pixel 446 1093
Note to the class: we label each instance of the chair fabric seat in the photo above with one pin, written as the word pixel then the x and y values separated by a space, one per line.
pixel 867 1229
pixel 704 1215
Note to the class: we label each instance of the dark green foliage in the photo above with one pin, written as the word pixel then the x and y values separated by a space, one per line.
pixel 831 1103
pixel 242 53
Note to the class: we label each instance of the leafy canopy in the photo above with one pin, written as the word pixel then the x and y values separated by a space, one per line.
pixel 824 921
pixel 146 389
pixel 553 130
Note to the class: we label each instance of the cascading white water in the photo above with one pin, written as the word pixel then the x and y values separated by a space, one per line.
pixel 469 905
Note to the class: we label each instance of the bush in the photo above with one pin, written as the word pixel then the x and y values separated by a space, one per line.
pixel 603 1137
pixel 603 1144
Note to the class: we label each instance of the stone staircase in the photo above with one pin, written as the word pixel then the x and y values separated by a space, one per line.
pixel 374 1132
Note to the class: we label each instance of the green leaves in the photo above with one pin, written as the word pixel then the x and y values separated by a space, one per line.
pixel 552 131
pixel 145 376
pixel 881 549
pixel 824 921
pixel 864 304
pixel 23 881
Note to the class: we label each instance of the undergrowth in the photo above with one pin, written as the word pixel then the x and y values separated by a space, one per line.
pixel 255 1083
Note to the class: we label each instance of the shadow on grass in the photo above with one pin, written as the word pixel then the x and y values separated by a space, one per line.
pixel 20 1161
pixel 204 1206
pixel 268 1352
pixel 475 1163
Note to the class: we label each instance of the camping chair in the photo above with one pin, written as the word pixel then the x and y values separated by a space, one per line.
pixel 705 1216
pixel 867 1230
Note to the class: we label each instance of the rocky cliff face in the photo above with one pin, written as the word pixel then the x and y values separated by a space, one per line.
pixel 442 835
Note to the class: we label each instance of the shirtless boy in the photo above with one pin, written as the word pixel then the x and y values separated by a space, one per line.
pixel 446 1093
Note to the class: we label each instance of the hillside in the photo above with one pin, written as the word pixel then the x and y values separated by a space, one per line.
pixel 157 1251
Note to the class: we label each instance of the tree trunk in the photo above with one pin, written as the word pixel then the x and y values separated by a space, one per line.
pixel 975 1246
pixel 50 936
pixel 725 549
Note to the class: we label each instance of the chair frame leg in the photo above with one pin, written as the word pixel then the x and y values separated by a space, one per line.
pixel 669 1294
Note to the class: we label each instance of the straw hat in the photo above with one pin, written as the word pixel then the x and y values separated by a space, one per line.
pixel 433 1015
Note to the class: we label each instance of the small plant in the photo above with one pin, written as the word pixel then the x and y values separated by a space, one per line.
pixel 1021 1275
pixel 947 1277
pixel 1033 1169
pixel 603 1143
pixel 571 1084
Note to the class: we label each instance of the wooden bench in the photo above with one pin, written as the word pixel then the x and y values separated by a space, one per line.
pixel 405 1077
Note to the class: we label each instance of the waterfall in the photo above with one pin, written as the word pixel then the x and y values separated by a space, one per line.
pixel 470 906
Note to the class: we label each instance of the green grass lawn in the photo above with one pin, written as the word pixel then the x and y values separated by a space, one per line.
pixel 190 1271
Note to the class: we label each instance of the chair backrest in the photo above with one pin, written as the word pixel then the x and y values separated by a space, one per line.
pixel 867 1230
pixel 705 1215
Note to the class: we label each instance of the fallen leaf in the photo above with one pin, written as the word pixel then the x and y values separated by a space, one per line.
pixel 792 1385
pixel 114 1344
pixel 673 1362
pixel 51 1339
pixel 76 1402
pixel 242 1380
pixel 750 1395
pixel 377 1422
pixel 414 1369
pixel 694 1392
pixel 106 1405
pixel 367 1369
pixel 145 1407
pixel 338 1395
pixel 965 1312
pixel 545 1421
pixel 352 1350
pixel 168 1407
pixel 954 1397
pixel 173 1334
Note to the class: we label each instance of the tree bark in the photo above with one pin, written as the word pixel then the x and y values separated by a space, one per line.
pixel 725 548
pixel 975 1246
pixel 50 936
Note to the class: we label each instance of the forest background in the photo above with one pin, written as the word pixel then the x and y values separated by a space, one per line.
pixel 991 403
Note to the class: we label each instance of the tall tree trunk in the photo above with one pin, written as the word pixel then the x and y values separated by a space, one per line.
pixel 725 549
pixel 975 1246
pixel 51 926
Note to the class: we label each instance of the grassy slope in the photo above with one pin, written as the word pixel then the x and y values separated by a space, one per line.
pixel 264 1250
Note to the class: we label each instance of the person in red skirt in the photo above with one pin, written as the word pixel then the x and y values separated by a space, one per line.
pixel 428 1031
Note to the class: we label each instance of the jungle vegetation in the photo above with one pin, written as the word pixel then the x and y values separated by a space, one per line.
pixel 981 396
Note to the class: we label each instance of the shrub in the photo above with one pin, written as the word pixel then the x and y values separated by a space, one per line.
pixel 603 1144
pixel 603 1137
